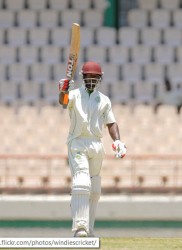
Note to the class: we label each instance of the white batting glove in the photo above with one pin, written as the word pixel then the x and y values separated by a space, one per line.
pixel 66 85
pixel 119 149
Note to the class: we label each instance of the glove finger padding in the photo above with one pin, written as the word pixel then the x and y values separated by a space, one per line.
pixel 119 149
pixel 66 85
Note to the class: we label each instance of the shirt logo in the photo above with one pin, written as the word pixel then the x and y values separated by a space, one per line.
pixel 97 99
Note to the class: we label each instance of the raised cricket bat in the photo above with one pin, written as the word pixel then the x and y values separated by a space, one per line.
pixel 72 58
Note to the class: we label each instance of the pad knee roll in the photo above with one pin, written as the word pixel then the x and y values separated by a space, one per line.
pixel 81 183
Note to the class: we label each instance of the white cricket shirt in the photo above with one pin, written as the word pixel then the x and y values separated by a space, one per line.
pixel 88 113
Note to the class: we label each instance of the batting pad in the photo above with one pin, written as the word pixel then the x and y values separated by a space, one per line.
pixel 80 200
pixel 94 198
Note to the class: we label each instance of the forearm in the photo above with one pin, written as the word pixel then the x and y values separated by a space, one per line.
pixel 114 131
pixel 61 96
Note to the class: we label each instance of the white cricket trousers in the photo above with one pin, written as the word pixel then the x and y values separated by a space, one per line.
pixel 85 159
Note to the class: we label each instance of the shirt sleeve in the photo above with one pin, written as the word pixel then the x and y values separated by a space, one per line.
pixel 71 99
pixel 108 114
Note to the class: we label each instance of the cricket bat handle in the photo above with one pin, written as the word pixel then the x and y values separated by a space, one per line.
pixel 65 99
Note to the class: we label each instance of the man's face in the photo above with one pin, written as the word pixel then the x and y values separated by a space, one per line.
pixel 91 80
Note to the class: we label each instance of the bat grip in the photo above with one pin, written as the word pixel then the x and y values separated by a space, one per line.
pixel 65 99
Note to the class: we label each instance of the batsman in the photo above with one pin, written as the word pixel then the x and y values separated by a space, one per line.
pixel 89 112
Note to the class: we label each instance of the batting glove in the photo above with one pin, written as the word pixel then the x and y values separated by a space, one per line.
pixel 119 149
pixel 66 85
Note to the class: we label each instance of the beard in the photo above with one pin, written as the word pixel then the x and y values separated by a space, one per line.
pixel 90 86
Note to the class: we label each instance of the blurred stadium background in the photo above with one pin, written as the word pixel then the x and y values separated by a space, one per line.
pixel 139 45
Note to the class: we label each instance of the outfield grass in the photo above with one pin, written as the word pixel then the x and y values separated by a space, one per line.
pixel 133 244
pixel 141 243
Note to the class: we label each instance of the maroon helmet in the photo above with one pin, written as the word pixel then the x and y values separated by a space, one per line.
pixel 92 67
pixel 92 75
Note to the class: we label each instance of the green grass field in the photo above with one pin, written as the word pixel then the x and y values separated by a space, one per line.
pixel 141 243
pixel 134 244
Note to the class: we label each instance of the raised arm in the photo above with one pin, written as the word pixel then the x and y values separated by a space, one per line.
pixel 61 95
